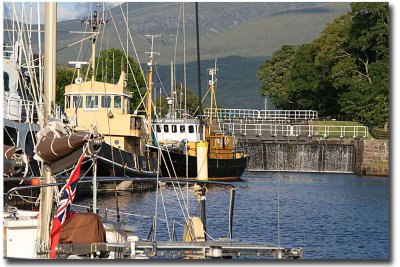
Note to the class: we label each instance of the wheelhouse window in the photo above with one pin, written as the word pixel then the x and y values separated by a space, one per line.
pixel 67 101
pixel 158 128
pixel 174 128
pixel 106 101
pixel 191 129
pixel 182 128
pixel 77 101
pixel 166 129
pixel 92 101
pixel 117 101
pixel 6 81
pixel 128 105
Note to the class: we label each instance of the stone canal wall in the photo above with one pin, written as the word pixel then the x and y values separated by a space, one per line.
pixel 353 156
pixel 375 155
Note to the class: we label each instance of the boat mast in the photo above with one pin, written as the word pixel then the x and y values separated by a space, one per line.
pixel 150 85
pixel 49 60
pixel 49 96
pixel 198 72
pixel 213 73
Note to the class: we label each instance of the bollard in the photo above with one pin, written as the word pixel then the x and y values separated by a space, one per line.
pixel 132 239
pixel 202 163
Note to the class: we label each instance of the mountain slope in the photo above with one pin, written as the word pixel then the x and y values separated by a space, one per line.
pixel 226 29
pixel 242 35
pixel 237 85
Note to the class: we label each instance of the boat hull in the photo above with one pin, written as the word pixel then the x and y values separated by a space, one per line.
pixel 218 169
pixel 117 162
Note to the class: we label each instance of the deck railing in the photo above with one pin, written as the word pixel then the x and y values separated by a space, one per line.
pixel 19 110
pixel 7 51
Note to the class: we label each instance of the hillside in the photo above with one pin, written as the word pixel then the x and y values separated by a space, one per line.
pixel 226 29
pixel 237 85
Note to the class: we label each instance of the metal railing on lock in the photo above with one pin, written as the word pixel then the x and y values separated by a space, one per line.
pixel 331 131
pixel 287 130
pixel 229 114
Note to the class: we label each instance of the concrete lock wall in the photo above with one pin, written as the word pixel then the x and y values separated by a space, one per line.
pixel 312 157
pixel 340 157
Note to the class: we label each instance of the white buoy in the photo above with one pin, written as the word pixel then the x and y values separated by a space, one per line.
pixel 202 164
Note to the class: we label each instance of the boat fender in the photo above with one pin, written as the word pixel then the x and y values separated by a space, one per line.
pixel 35 181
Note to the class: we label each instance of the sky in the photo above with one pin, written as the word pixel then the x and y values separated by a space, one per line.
pixel 65 10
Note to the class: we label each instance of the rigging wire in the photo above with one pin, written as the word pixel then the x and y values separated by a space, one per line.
pixel 137 57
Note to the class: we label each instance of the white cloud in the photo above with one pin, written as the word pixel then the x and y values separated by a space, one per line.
pixel 65 10
pixel 73 10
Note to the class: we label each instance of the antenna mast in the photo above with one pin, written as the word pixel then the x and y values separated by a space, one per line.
pixel 150 85
pixel 213 73
pixel 94 22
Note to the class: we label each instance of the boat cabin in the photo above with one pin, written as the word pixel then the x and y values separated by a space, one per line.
pixel 171 131
pixel 106 106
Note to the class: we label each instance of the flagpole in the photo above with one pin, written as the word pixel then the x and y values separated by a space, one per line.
pixel 46 193
pixel 94 184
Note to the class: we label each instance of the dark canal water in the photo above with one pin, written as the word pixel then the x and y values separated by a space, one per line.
pixel 332 216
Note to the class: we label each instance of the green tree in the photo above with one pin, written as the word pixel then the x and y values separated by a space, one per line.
pixel 64 77
pixel 108 69
pixel 191 103
pixel 344 70
pixel 273 75
pixel 367 50
pixel 303 79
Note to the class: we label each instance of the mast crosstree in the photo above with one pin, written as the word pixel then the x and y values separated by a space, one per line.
pixel 94 22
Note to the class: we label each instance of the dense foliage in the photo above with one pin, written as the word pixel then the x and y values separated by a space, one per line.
pixel 109 66
pixel 344 71
pixel 64 77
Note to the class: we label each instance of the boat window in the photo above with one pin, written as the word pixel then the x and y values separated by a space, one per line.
pixel 77 101
pixel 128 105
pixel 6 81
pixel 182 128
pixel 67 103
pixel 105 101
pixel 174 128
pixel 158 128
pixel 191 129
pixel 92 101
pixel 166 129
pixel 117 101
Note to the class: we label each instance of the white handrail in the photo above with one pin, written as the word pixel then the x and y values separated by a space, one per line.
pixel 325 131
pixel 226 113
